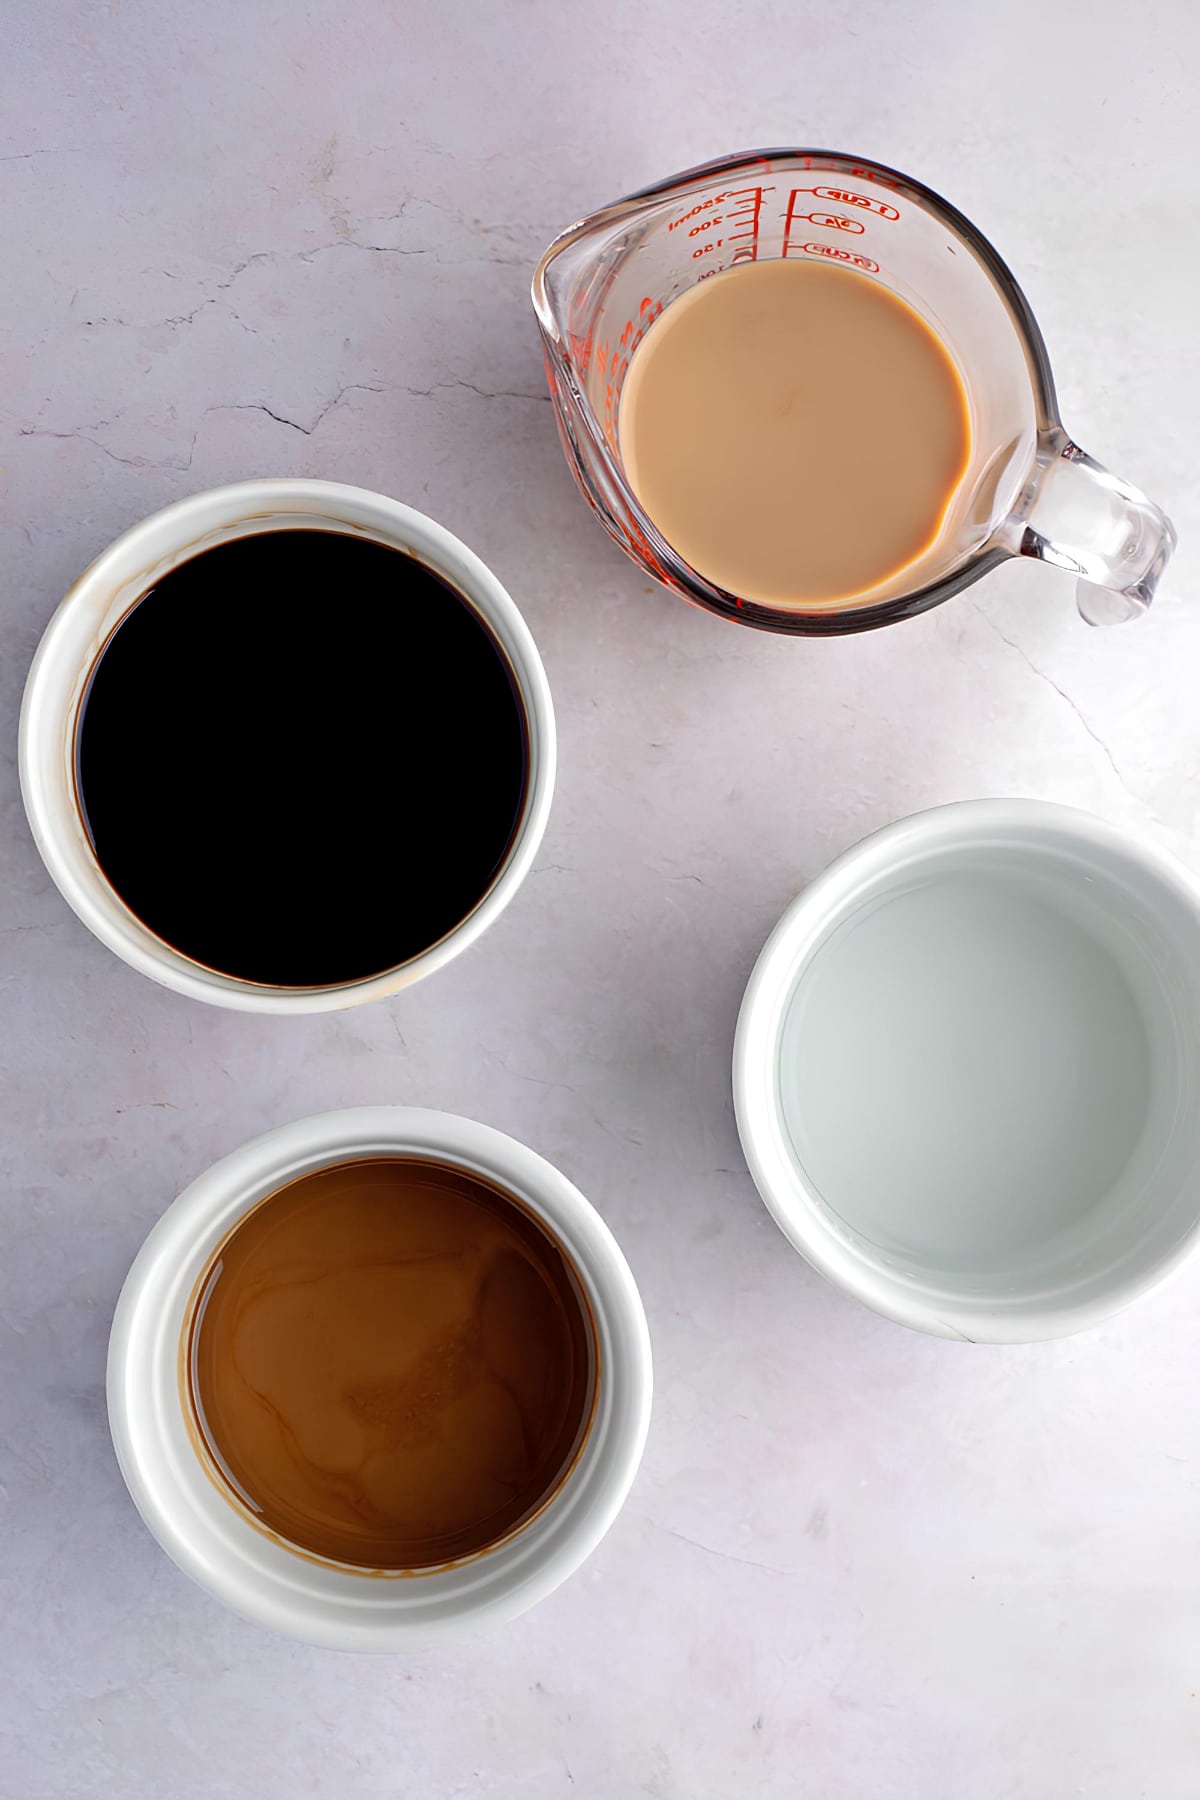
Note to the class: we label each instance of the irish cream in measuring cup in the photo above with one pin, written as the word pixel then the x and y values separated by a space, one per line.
pixel 803 391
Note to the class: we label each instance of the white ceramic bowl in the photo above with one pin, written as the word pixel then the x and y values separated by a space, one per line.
pixel 967 1065
pixel 114 583
pixel 212 1540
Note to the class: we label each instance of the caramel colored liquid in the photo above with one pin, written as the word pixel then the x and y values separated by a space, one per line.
pixel 794 430
pixel 392 1363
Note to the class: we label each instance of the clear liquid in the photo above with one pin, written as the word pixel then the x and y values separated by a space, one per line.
pixel 966 1070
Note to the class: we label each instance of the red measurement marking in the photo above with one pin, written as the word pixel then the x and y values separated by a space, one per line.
pixel 739 219
pixel 880 208
pixel 703 209
pixel 613 364
pixel 875 175
pixel 789 218
pixel 644 550
pixel 834 222
pixel 741 223
pixel 842 256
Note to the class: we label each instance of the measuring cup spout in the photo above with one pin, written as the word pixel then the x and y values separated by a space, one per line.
pixel 1076 515
pixel 1026 489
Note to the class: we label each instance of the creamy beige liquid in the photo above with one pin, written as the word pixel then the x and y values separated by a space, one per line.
pixel 794 430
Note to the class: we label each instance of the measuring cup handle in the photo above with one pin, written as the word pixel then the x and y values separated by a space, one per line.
pixel 1078 516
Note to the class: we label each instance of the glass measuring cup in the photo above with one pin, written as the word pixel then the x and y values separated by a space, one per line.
pixel 1028 490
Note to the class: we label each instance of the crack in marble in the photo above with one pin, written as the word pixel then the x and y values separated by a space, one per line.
pixel 130 462
pixel 213 299
pixel 1062 694
pixel 729 1556
pixel 176 321
pixel 181 468
pixel 484 393
pixel 50 150
pixel 216 298
pixel 351 387
pixel 621 1137
pixel 384 249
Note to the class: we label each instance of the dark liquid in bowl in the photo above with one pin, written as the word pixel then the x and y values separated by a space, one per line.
pixel 301 758
pixel 392 1363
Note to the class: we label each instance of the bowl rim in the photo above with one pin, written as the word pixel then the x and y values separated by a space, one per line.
pixel 848 1262
pixel 104 593
pixel 203 1530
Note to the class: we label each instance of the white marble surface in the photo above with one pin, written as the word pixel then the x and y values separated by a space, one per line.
pixel 256 237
